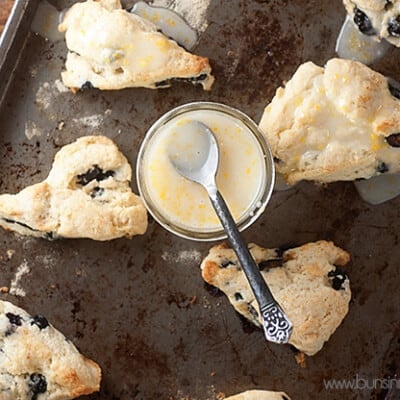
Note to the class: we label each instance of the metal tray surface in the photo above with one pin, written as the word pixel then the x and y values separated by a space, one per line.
pixel 139 307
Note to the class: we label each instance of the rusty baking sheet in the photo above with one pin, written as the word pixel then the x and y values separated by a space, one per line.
pixel 139 307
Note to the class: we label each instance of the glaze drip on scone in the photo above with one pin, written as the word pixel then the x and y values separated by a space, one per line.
pixel 335 123
pixel 376 17
pixel 87 194
pixel 308 282
pixel 110 48
pixel 38 363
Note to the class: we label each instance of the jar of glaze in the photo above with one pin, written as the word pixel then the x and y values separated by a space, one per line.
pixel 245 175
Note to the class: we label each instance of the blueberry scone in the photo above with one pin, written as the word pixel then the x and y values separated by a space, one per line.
pixel 259 395
pixel 380 18
pixel 337 123
pixel 37 362
pixel 308 282
pixel 87 194
pixel 110 48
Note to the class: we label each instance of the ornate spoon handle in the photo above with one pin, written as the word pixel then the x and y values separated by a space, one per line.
pixel 277 327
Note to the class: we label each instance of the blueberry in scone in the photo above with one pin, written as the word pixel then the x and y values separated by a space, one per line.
pixel 259 395
pixel 37 362
pixel 380 18
pixel 110 48
pixel 309 283
pixel 87 194
pixel 337 123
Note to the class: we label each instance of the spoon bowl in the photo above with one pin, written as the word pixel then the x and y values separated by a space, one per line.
pixel 193 151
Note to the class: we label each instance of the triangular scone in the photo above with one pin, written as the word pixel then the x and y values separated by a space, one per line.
pixel 341 122
pixel 259 395
pixel 86 195
pixel 110 48
pixel 37 362
pixel 306 281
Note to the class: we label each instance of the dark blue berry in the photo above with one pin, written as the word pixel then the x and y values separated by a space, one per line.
pixel 49 236
pixel 394 27
pixel 382 168
pixel 96 192
pixel 338 277
pixel 37 385
pixel 238 296
pixel 226 263
pixel 393 139
pixel 94 173
pixel 40 321
pixel 14 319
pixel 363 22
pixel 87 85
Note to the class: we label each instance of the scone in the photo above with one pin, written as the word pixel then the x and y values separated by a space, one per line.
pixel 379 18
pixel 86 195
pixel 37 362
pixel 259 395
pixel 308 283
pixel 110 48
pixel 337 123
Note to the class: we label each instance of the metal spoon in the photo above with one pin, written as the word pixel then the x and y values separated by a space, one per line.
pixel 199 163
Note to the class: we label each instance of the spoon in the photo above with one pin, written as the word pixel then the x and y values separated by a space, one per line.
pixel 193 151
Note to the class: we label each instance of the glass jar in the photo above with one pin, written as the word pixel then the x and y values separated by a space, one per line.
pixel 245 175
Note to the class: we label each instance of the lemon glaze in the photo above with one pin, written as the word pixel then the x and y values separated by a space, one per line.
pixel 241 175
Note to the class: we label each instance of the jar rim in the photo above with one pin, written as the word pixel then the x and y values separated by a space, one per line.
pixel 266 189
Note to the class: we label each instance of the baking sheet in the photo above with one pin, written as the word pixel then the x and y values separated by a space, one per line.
pixel 139 307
